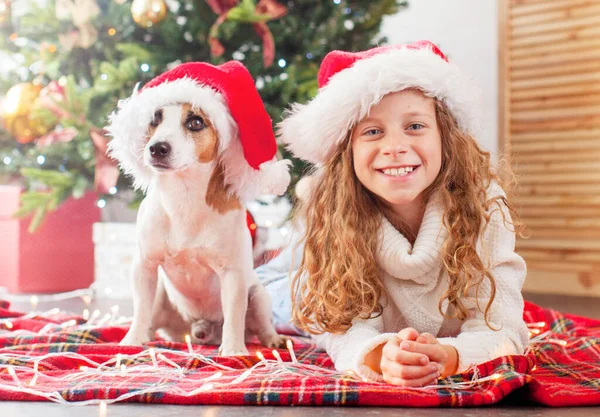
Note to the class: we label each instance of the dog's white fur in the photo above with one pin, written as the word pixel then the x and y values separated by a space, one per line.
pixel 194 264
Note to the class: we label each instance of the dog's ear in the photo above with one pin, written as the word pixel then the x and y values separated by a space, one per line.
pixel 219 195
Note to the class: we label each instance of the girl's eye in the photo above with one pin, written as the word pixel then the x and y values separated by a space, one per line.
pixel 372 132
pixel 415 126
pixel 195 123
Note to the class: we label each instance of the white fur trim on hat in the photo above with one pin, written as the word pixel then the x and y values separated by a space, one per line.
pixel 312 131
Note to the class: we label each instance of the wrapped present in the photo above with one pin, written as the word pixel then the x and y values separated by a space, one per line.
pixel 114 247
pixel 58 256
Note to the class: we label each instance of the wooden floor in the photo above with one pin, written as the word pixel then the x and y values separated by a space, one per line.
pixel 574 305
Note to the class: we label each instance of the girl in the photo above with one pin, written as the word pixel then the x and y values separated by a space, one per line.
pixel 408 270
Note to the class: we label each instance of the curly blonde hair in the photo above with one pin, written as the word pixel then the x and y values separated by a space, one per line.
pixel 339 279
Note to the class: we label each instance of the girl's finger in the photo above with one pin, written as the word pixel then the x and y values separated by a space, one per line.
pixel 394 353
pixel 426 338
pixel 408 334
pixel 434 352
pixel 395 370
pixel 419 382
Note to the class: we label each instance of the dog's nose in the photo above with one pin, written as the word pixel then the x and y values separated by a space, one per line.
pixel 160 150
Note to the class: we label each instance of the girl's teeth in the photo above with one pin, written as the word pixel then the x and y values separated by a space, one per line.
pixel 398 172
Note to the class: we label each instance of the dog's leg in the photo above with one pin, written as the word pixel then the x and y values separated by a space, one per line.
pixel 234 300
pixel 259 312
pixel 145 277
pixel 165 316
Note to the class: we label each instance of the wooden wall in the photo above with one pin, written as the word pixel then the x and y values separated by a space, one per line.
pixel 550 128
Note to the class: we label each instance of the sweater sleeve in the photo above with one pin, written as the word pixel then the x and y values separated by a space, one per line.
pixel 349 350
pixel 509 335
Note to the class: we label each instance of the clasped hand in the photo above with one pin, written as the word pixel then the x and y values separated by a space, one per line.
pixel 413 360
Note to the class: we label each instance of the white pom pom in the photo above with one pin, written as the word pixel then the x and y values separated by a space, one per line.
pixel 275 177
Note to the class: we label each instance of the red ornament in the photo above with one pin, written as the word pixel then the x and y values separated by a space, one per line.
pixel 251 227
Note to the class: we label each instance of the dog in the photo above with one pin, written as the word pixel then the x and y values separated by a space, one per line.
pixel 193 270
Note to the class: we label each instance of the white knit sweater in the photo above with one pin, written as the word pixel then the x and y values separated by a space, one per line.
pixel 414 282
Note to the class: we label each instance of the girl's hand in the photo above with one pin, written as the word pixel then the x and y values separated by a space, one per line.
pixel 403 367
pixel 445 356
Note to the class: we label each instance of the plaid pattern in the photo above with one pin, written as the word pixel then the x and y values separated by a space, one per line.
pixel 568 361
pixel 562 375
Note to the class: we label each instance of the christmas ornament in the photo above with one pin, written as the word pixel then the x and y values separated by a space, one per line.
pixel 84 37
pixel 5 12
pixel 15 112
pixel 246 12
pixel 52 97
pixel 148 12
pixel 80 12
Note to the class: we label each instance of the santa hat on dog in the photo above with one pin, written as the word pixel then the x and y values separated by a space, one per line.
pixel 228 96
pixel 351 83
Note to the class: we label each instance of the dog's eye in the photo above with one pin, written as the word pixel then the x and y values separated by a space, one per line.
pixel 158 115
pixel 195 123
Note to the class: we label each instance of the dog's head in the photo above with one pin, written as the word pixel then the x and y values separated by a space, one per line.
pixel 195 114
pixel 179 137
pixel 156 135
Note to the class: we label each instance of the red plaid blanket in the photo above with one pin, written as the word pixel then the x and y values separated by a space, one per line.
pixel 74 362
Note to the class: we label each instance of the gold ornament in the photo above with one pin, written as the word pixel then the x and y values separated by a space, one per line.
pixel 15 112
pixel 4 12
pixel 148 12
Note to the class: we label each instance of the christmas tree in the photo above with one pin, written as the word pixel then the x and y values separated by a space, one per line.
pixel 67 63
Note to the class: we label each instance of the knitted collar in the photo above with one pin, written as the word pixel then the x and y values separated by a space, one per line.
pixel 398 258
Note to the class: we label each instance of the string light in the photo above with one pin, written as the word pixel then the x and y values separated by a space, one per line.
pixel 114 312
pixel 261 357
pixel 138 366
pixel 94 316
pixel 112 31
pixel 264 368
pixel 153 357
pixel 69 323
pixel 188 342
pixel 277 356
pixel 14 376
pixel 102 409
pixel 290 347
pixel 34 301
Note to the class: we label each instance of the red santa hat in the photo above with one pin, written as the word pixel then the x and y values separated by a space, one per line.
pixel 351 83
pixel 228 96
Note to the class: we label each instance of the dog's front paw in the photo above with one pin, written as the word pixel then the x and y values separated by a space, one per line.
pixel 134 340
pixel 273 340
pixel 234 351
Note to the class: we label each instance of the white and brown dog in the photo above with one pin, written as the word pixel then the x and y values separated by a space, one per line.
pixel 198 141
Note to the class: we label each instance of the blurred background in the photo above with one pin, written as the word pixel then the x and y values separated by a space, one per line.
pixel 67 216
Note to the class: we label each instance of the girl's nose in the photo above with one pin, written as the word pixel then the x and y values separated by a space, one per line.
pixel 394 149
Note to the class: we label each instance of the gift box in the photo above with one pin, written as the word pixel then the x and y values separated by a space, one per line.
pixel 114 246
pixel 58 257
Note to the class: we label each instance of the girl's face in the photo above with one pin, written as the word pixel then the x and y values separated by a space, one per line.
pixel 397 149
